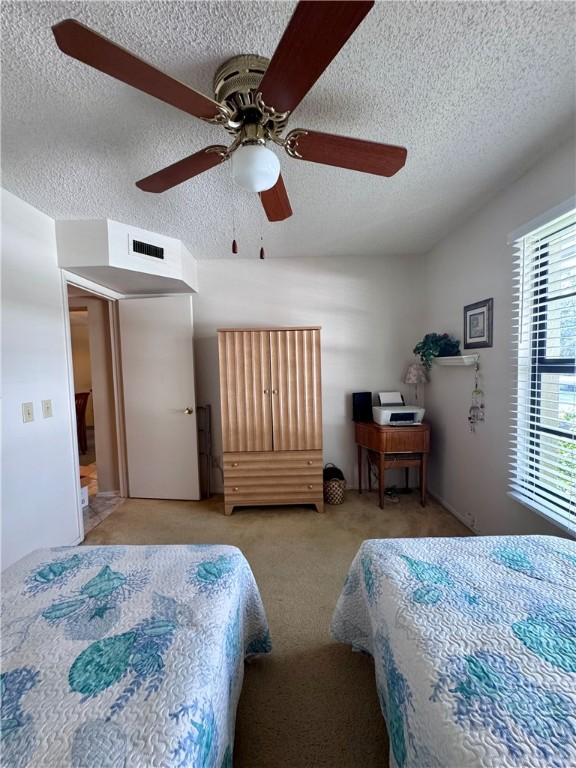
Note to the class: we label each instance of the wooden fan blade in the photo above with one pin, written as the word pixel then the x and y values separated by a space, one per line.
pixel 313 37
pixel 183 170
pixel 344 152
pixel 80 42
pixel 275 202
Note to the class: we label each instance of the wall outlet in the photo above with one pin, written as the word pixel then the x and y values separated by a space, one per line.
pixel 27 412
pixel 47 409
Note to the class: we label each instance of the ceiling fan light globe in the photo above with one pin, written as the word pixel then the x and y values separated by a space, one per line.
pixel 255 167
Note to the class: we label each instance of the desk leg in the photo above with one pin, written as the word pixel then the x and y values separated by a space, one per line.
pixel 359 468
pixel 381 486
pixel 369 469
pixel 423 475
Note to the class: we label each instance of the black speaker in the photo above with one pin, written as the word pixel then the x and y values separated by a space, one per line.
pixel 362 406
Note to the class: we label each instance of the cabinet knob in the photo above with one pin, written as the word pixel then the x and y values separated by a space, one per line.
pixel 274 391
pixel 310 462
pixel 235 488
pixel 310 486
pixel 266 391
pixel 234 463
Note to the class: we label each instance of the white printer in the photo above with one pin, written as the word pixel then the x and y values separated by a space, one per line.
pixel 393 412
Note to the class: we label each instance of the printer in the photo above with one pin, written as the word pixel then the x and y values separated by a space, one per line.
pixel 393 412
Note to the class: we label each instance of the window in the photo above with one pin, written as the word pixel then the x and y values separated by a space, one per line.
pixel 543 474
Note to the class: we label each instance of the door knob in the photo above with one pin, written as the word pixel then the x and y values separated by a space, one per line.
pixel 188 411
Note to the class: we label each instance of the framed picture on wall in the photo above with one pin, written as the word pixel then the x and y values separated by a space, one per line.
pixel 478 320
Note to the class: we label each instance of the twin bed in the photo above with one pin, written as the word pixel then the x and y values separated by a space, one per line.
pixel 133 656
pixel 117 656
pixel 474 647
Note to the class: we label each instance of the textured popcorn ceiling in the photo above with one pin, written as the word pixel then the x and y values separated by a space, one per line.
pixel 474 90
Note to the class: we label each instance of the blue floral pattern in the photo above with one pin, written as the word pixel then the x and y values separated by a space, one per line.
pixel 215 574
pixel 371 581
pixel 200 744
pixel 137 654
pixel 437 586
pixel 550 632
pixel 395 700
pixel 489 692
pixel 17 725
pixel 58 571
pixel 94 609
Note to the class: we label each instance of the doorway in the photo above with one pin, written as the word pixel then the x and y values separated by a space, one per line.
pixel 96 404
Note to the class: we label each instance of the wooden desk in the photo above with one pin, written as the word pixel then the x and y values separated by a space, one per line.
pixel 397 448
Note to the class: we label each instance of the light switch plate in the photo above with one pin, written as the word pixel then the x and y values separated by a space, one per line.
pixel 47 409
pixel 27 412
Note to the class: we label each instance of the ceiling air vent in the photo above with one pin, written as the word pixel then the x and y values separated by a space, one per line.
pixel 147 249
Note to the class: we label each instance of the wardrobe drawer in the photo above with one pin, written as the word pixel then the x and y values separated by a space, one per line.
pixel 272 463
pixel 298 492
pixel 289 476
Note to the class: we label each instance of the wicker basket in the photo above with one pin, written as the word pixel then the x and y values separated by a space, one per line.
pixel 334 491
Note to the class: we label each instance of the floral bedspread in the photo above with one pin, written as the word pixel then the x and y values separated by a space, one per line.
pixel 474 646
pixel 126 656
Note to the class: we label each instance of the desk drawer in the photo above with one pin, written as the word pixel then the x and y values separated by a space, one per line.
pixel 387 439
pixel 406 440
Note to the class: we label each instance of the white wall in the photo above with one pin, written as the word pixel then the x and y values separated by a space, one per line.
pixel 468 472
pixel 369 310
pixel 38 469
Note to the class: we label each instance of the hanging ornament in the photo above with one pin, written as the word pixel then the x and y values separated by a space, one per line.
pixel 234 246
pixel 476 412
pixel 262 254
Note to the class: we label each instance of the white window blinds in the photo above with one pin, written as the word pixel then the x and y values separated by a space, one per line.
pixel 543 470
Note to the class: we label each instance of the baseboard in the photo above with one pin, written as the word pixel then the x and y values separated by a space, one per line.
pixel 450 508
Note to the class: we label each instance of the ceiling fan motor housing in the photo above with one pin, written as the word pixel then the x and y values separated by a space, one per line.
pixel 236 84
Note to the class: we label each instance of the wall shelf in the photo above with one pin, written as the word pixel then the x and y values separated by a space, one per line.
pixel 457 360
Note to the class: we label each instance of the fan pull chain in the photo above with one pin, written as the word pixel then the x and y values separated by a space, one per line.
pixel 262 252
pixel 234 243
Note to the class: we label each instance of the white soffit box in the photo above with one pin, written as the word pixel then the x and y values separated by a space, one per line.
pixel 126 259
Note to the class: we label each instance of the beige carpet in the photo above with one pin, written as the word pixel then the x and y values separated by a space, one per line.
pixel 312 703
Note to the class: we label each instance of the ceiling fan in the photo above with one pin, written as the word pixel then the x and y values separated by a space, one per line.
pixel 253 100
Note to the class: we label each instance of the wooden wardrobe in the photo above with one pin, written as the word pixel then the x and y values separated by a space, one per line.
pixel 271 401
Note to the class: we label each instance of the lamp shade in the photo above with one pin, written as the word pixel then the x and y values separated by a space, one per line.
pixel 415 374
pixel 255 167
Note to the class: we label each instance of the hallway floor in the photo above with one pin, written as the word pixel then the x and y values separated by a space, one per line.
pixel 312 703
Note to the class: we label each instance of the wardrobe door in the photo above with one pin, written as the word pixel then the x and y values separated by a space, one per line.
pixel 245 390
pixel 296 390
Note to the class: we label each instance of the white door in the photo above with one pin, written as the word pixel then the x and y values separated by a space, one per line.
pixel 156 336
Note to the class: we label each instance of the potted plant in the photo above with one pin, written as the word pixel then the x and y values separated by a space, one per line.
pixel 436 345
